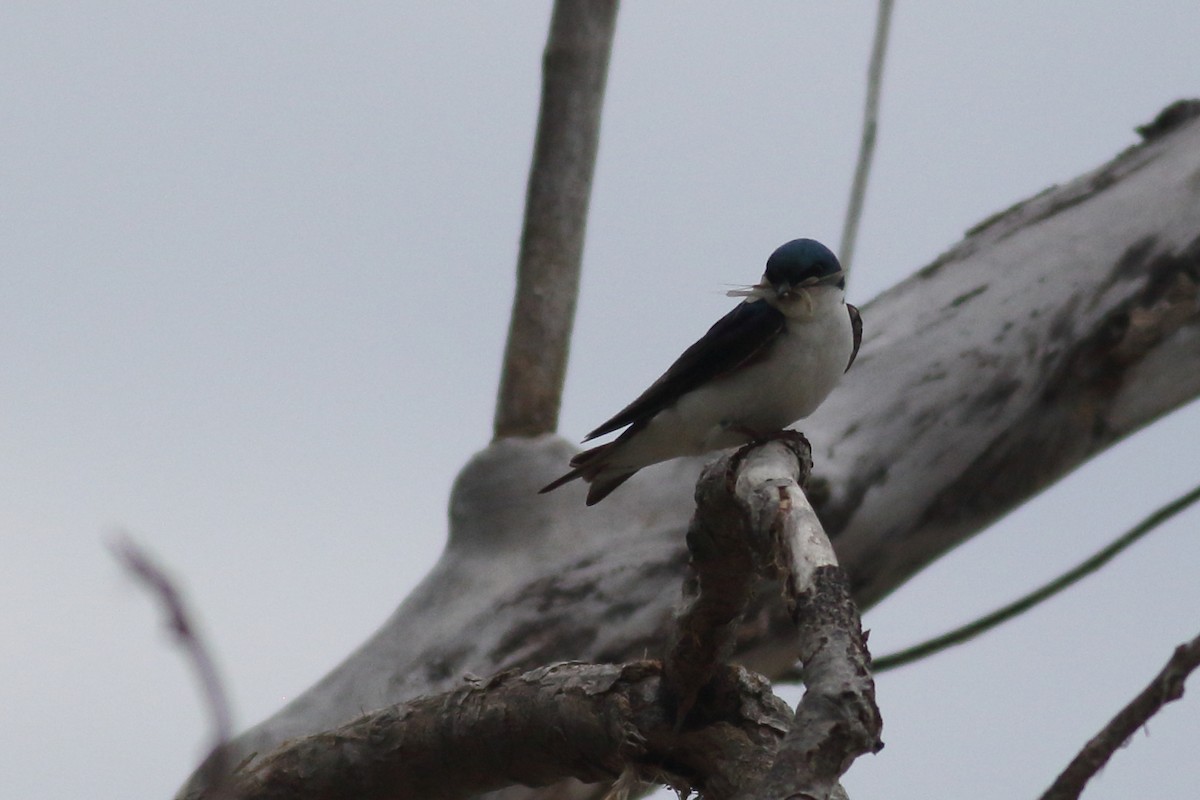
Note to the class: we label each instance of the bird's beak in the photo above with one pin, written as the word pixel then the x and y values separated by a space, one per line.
pixel 785 290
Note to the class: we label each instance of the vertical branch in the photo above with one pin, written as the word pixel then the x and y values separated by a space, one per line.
pixel 752 524
pixel 866 148
pixel 574 68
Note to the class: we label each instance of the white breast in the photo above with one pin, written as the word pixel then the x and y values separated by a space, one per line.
pixel 800 371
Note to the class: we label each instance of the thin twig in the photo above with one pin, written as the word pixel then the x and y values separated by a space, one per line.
pixel 1041 594
pixel 866 149
pixel 574 70
pixel 139 564
pixel 1166 686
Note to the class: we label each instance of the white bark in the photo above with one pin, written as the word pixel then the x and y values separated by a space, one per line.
pixel 1050 332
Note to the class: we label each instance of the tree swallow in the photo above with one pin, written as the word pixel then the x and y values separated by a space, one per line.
pixel 767 363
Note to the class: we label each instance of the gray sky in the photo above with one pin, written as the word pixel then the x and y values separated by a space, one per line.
pixel 257 265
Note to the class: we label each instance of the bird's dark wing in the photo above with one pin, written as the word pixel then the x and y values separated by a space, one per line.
pixel 856 326
pixel 736 339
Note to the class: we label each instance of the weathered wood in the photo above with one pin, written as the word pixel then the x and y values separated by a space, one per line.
pixel 1050 332
pixel 585 721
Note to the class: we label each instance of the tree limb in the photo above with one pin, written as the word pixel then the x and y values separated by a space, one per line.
pixel 593 722
pixel 1052 331
pixel 564 720
pixel 1165 687
pixel 574 69
pixel 837 719
pixel 730 548
pixel 753 522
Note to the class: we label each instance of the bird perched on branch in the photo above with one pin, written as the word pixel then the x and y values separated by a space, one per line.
pixel 767 363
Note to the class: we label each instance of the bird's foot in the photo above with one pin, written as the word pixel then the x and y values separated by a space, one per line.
pixel 795 441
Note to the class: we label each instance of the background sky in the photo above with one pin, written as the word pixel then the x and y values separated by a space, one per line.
pixel 257 265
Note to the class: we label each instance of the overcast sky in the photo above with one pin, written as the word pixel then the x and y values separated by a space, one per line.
pixel 257 262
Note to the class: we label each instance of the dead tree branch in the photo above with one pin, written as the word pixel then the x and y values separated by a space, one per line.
pixel 729 553
pixel 141 566
pixel 837 719
pixel 582 721
pixel 574 69
pixel 752 522
pixel 1051 332
pixel 753 527
pixel 1166 686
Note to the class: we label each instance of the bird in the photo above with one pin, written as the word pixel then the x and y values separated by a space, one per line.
pixel 769 362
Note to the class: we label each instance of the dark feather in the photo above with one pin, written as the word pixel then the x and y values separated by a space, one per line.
pixel 736 339
pixel 557 482
pixel 584 465
pixel 590 464
pixel 856 326
pixel 603 487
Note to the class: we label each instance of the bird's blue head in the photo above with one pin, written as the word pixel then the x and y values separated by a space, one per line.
pixel 804 262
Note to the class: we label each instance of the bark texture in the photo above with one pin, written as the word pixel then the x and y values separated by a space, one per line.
pixel 585 721
pixel 1051 331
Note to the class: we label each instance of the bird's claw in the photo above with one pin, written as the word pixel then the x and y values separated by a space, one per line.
pixel 795 441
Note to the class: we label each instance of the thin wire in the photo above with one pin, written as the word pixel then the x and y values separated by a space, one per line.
pixel 866 149
pixel 1040 595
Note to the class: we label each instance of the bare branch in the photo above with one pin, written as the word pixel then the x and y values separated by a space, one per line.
pixel 728 555
pixel 1043 593
pixel 752 518
pixel 564 720
pixel 574 68
pixel 837 719
pixel 983 379
pixel 866 148
pixel 753 526
pixel 1166 686
pixel 141 566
